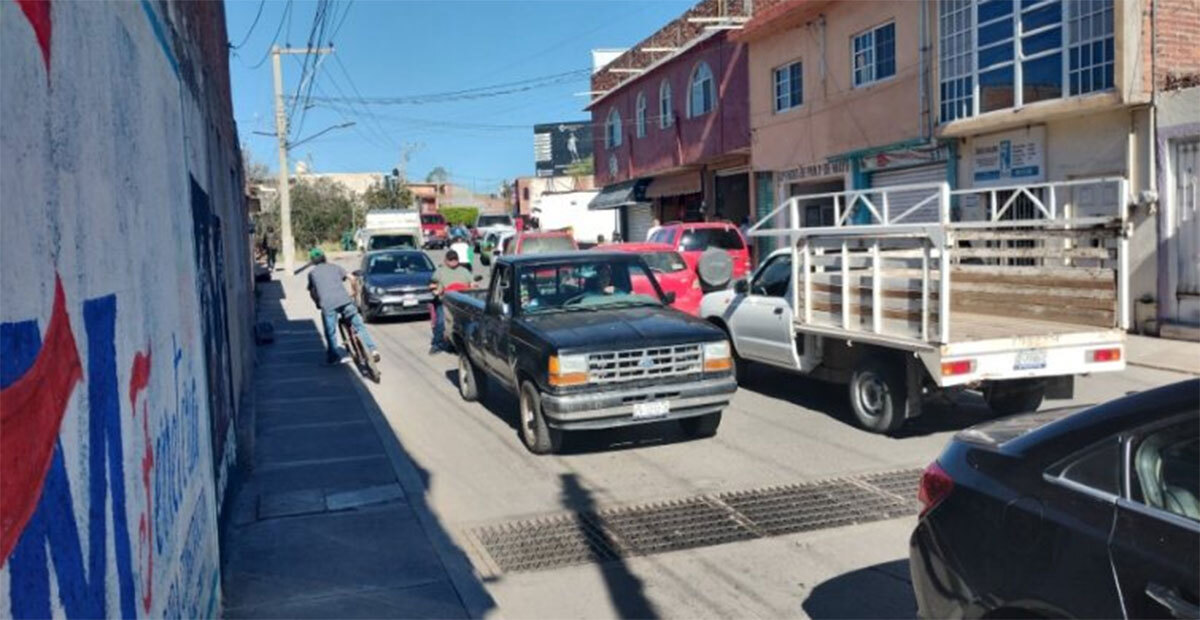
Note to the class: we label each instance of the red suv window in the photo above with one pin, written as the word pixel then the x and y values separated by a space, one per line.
pixel 700 239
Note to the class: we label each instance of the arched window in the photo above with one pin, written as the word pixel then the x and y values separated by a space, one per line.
pixel 612 129
pixel 666 116
pixel 700 92
pixel 640 115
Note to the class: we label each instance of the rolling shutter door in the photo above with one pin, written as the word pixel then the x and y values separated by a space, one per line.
pixel 899 202
pixel 639 217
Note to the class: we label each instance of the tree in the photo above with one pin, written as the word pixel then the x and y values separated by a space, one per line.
pixel 321 211
pixel 256 172
pixel 388 195
pixel 437 175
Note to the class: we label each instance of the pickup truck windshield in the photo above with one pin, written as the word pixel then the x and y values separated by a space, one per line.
pixel 399 262
pixel 384 242
pixel 433 218
pixel 547 245
pixel 664 262
pixel 493 220
pixel 582 286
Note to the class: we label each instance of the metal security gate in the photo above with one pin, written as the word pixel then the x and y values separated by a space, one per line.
pixel 1185 155
pixel 899 202
pixel 638 220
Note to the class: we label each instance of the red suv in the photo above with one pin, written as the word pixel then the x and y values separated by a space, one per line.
pixel 433 228
pixel 692 239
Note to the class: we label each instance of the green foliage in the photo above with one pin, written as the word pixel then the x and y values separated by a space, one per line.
pixel 460 215
pixel 388 196
pixel 321 211
pixel 437 175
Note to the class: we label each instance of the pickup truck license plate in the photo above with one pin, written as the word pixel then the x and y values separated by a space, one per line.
pixel 654 409
pixel 1030 359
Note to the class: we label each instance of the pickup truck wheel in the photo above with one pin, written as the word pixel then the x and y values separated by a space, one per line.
pixel 537 436
pixel 471 381
pixel 1012 397
pixel 877 397
pixel 701 425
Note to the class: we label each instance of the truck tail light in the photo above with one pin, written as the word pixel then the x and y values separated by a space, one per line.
pixel 1112 354
pixel 936 486
pixel 958 367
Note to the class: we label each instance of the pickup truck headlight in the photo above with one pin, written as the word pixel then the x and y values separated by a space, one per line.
pixel 716 356
pixel 567 370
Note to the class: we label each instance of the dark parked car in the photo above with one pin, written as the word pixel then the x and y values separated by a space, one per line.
pixel 583 349
pixel 393 283
pixel 1091 514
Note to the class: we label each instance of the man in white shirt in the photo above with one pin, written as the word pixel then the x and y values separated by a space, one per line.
pixel 653 229
pixel 464 252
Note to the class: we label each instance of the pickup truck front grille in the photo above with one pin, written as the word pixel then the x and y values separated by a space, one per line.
pixel 653 363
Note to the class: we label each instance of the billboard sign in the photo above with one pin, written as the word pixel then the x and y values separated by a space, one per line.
pixel 557 146
pixel 1009 158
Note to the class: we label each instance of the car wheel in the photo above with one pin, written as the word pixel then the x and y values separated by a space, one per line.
pixel 537 436
pixel 877 397
pixel 1012 397
pixel 701 425
pixel 471 381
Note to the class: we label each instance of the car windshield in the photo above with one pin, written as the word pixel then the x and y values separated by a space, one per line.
pixel 493 220
pixel 664 262
pixel 432 218
pixel 384 242
pixel 547 245
pixel 586 285
pixel 398 263
pixel 700 239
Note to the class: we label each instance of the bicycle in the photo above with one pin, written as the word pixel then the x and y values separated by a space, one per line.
pixel 363 360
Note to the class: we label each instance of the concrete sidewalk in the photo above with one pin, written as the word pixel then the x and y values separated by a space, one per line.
pixel 332 521
pixel 1163 354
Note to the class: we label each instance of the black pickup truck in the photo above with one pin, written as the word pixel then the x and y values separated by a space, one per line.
pixel 568 334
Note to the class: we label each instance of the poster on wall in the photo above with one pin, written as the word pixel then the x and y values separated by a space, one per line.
pixel 1009 158
pixel 558 147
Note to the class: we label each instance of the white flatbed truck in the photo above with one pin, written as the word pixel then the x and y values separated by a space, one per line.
pixel 1014 301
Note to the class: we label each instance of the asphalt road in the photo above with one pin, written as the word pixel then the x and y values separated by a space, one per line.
pixel 780 430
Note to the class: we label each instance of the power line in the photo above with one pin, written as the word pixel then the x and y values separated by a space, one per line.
pixel 287 9
pixel 494 90
pixel 258 14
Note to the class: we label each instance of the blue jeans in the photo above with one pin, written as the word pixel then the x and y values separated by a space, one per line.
pixel 330 316
pixel 439 325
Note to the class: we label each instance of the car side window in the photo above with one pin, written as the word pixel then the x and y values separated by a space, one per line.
pixel 662 236
pixel 1098 467
pixel 772 280
pixel 1165 469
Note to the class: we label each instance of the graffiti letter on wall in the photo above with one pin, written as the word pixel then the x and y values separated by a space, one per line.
pixel 139 378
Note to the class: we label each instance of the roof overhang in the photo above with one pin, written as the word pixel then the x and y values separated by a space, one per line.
pixel 617 195
pixel 702 37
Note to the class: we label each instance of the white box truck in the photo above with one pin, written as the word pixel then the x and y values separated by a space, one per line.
pixel 390 228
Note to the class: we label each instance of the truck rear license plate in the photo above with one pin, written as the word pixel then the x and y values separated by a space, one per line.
pixel 654 409
pixel 1030 359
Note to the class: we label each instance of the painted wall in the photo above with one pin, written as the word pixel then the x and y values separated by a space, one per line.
pixel 835 117
pixel 124 327
pixel 689 140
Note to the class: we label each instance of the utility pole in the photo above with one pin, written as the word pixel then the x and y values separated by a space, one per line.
pixel 281 133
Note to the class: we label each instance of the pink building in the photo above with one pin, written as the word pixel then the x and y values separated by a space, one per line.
pixel 672 126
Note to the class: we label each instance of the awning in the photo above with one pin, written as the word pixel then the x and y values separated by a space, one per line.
pixel 674 185
pixel 620 194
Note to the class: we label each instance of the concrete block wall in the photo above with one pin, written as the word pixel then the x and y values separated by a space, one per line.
pixel 125 306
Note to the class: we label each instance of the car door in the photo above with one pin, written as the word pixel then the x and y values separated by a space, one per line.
pixel 761 320
pixel 1156 538
pixel 497 317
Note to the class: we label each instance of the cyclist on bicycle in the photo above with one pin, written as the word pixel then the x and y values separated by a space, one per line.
pixel 326 288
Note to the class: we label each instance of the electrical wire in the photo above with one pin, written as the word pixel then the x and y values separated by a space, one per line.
pixel 493 90
pixel 287 9
pixel 258 14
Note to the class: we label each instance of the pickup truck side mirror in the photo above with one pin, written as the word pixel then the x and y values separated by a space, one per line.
pixel 500 309
pixel 741 287
pixel 669 297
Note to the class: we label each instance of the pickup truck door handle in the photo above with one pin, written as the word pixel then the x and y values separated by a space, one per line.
pixel 779 310
pixel 1172 601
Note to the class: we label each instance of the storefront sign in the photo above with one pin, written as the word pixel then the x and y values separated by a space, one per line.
pixel 1009 158
pixel 823 169
pixel 904 158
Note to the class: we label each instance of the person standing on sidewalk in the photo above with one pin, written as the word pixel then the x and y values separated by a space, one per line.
pixel 449 275
pixel 326 288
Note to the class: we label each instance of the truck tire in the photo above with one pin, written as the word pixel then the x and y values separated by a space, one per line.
pixel 472 383
pixel 1016 396
pixel 877 396
pixel 537 436
pixel 715 269
pixel 701 425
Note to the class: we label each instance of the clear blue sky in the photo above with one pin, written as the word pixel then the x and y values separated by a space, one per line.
pixel 402 48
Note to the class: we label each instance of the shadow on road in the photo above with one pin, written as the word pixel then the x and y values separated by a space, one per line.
pixel 879 591
pixel 624 588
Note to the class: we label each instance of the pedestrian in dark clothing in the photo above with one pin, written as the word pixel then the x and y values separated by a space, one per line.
pixel 449 275
pixel 327 291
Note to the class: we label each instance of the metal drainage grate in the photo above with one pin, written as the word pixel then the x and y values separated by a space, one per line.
pixel 610 533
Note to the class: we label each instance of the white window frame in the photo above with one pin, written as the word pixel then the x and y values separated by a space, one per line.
pixel 666 114
pixel 785 70
pixel 1070 22
pixel 870 33
pixel 612 129
pixel 712 85
pixel 639 115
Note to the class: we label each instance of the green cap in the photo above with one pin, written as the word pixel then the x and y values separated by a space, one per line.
pixel 315 253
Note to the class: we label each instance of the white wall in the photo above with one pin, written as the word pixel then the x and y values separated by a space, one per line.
pixel 98 150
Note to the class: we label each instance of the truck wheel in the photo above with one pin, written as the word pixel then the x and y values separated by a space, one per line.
pixel 877 396
pixel 472 384
pixel 537 436
pixel 1012 397
pixel 701 425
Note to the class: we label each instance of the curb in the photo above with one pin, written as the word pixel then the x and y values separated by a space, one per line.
pixel 474 598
